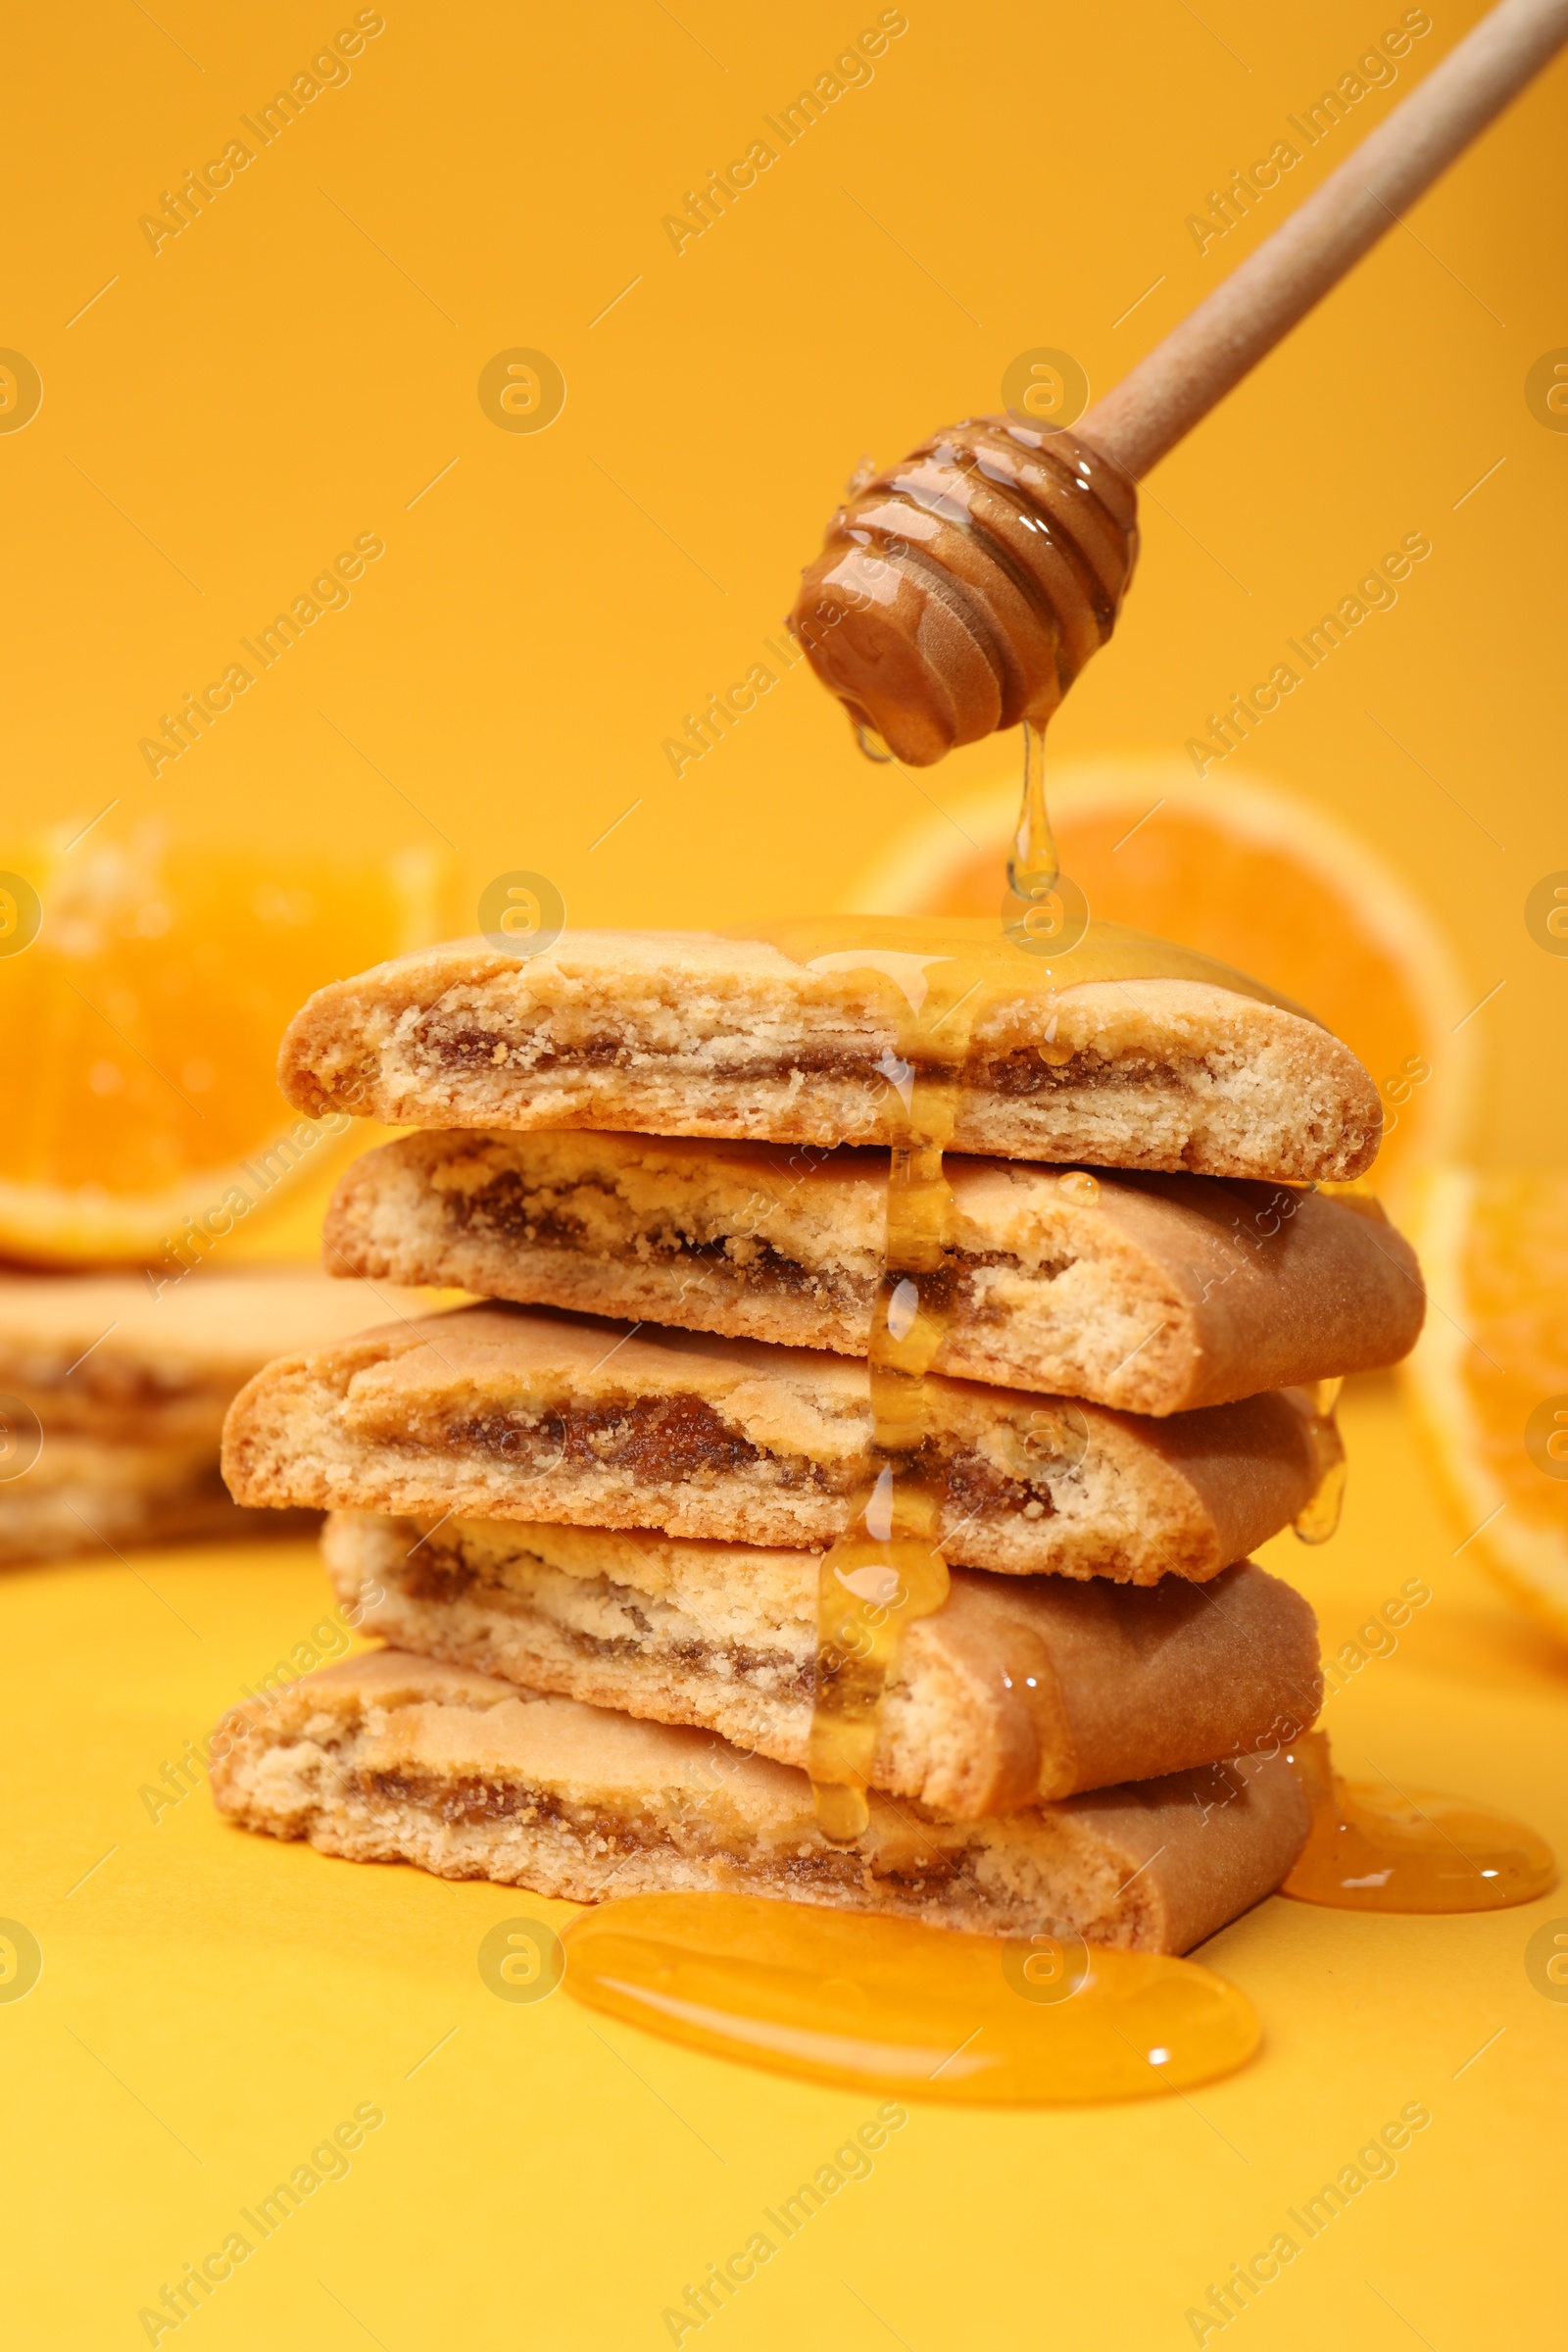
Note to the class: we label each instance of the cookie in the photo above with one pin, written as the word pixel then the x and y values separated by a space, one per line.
pixel 1017 1689
pixel 688 1033
pixel 1157 1293
pixel 157 1361
pixel 388 1759
pixel 82 1496
pixel 503 1412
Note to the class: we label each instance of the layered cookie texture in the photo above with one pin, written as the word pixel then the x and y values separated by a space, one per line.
pixel 520 1414
pixel 113 1392
pixel 1159 1294
pixel 593 1515
pixel 388 1757
pixel 1019 1690
pixel 677 1033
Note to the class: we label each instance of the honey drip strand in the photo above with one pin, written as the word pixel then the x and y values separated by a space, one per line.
pixel 888 1566
pixel 1034 868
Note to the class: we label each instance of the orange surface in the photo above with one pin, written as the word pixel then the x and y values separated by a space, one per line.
pixel 213 2005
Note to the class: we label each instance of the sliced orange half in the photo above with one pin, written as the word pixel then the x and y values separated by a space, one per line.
pixel 1490 1374
pixel 143 992
pixel 1254 876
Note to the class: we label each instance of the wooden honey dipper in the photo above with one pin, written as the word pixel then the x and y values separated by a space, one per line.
pixel 962 590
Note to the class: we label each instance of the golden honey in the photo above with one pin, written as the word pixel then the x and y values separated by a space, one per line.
pixel 911 2011
pixel 892 2005
pixel 1319 1519
pixel 1034 541
pixel 887 1567
pixel 1033 866
pixel 1374 1848
pixel 1002 962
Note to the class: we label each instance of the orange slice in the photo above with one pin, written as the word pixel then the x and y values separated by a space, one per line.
pixel 1490 1374
pixel 143 992
pixel 1249 873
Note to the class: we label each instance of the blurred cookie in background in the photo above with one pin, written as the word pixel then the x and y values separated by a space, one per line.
pixel 114 1386
pixel 85 1494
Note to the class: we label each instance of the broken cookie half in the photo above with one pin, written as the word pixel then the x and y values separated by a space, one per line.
pixel 1155 1293
pixel 1015 1691
pixel 387 1757
pixel 1122 1052
pixel 518 1413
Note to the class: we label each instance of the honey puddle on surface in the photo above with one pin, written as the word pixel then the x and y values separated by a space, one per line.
pixel 887 2004
pixel 1388 1849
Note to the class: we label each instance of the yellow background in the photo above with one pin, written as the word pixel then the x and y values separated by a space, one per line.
pixel 299 367
pixel 273 382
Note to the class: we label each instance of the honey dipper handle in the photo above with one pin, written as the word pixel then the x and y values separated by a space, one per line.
pixel 1257 305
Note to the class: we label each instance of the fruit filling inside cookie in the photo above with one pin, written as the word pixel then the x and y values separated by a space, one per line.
pixel 661 1441
pixel 575 1216
pixel 592 1216
pixel 1024 1070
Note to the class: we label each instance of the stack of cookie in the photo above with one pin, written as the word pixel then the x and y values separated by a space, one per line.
pixel 590 1514
pixel 113 1392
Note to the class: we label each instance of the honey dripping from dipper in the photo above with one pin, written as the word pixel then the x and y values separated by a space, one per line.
pixel 962 590
pixel 995 548
pixel 959 593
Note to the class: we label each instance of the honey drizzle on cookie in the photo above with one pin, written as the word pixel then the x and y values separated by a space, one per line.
pixel 888 1567
pixel 962 591
pixel 943 976
pixel 1319 1518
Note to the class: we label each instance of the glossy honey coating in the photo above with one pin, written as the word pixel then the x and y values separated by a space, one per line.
pixel 1387 1848
pixel 964 589
pixel 911 2011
